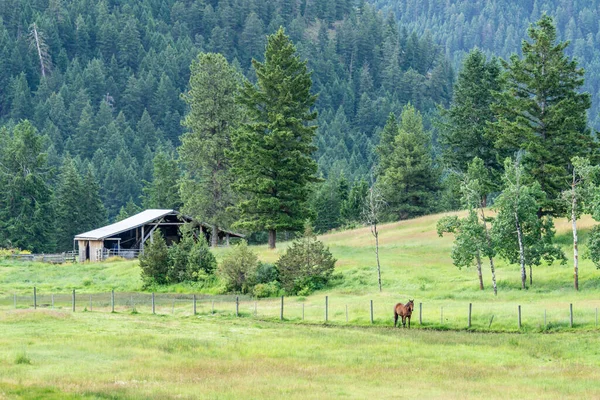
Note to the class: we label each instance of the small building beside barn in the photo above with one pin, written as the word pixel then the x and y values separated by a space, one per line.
pixel 127 238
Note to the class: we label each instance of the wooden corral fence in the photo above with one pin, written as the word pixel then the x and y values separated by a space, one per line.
pixel 59 258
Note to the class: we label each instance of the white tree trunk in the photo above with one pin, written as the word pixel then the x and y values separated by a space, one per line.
pixel 521 253
pixel 575 250
pixel 376 234
pixel 489 241
pixel 479 274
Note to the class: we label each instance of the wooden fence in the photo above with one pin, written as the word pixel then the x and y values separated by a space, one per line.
pixel 344 311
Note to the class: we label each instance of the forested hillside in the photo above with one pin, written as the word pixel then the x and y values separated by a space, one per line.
pixel 499 26
pixel 102 81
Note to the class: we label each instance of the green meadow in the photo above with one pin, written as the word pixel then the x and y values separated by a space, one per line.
pixel 54 353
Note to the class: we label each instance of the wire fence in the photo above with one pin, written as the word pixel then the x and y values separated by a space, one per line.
pixel 342 310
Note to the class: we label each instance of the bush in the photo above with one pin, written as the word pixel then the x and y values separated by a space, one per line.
pixel 238 268
pixel 190 260
pixel 306 266
pixel 266 273
pixel 155 261
pixel 271 289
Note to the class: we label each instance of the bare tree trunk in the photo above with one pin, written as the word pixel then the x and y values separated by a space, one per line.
pixel 272 238
pixel 521 253
pixel 574 223
pixel 376 234
pixel 479 270
pixel 39 50
pixel 214 238
pixel 530 276
pixel 489 241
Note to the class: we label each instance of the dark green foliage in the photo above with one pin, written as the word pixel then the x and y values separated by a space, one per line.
pixel 239 268
pixel 206 188
pixel 464 134
pixel 279 135
pixel 306 265
pixel 190 260
pixel 542 112
pixel 266 273
pixel 352 208
pixel 409 181
pixel 154 263
pixel 27 217
pixel 163 190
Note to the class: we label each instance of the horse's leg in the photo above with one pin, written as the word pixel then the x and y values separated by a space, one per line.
pixel 395 318
pixel 408 321
pixel 403 321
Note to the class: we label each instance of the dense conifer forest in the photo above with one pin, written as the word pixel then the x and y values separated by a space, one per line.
pixel 98 98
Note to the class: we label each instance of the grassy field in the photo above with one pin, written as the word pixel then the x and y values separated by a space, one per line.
pixel 50 354
pixel 55 353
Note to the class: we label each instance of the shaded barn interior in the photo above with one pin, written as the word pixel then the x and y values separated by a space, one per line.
pixel 127 238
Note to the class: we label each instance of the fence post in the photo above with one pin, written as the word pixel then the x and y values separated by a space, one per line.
pixel 194 304
pixel 212 310
pixel 237 306
pixel 53 300
pixel 519 316
pixel 302 311
pixel 371 311
pixel 441 315
pixel 153 304
pixel 420 313
pixel 73 300
pixel 470 309
pixel 596 317
pixel 112 301
pixel 34 298
pixel 281 314
pixel 346 313
pixel 326 308
pixel 571 314
pixel 90 302
pixel 132 304
pixel 545 325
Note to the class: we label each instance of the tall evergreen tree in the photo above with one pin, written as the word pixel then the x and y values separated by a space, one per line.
pixel 26 210
pixel 410 180
pixel 206 187
pixel 163 191
pixel 68 205
pixel 464 134
pixel 279 134
pixel 542 112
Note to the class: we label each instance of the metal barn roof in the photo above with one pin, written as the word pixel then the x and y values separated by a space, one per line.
pixel 132 222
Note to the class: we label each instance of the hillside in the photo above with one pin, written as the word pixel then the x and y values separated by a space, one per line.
pixel 499 26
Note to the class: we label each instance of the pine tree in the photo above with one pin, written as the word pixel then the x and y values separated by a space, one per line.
pixel 464 134
pixel 206 187
pixel 279 135
pixel 163 191
pixel 26 211
pixel 410 182
pixel 68 205
pixel 94 215
pixel 542 112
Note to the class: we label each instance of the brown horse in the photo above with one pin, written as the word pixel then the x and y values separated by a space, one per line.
pixel 405 311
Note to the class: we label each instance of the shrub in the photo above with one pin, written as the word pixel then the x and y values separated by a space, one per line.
pixel 238 268
pixel 190 260
pixel 266 273
pixel 306 266
pixel 270 289
pixel 155 261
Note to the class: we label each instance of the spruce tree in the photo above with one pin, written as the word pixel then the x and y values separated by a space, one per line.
pixel 464 134
pixel 68 205
pixel 410 180
pixel 272 149
pixel 206 186
pixel 26 204
pixel 163 191
pixel 542 112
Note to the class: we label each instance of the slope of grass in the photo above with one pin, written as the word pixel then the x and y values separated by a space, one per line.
pixel 99 355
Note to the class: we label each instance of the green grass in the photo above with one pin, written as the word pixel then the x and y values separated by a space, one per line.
pixel 57 354
pixel 103 355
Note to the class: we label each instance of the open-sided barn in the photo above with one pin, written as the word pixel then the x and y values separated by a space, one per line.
pixel 126 238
